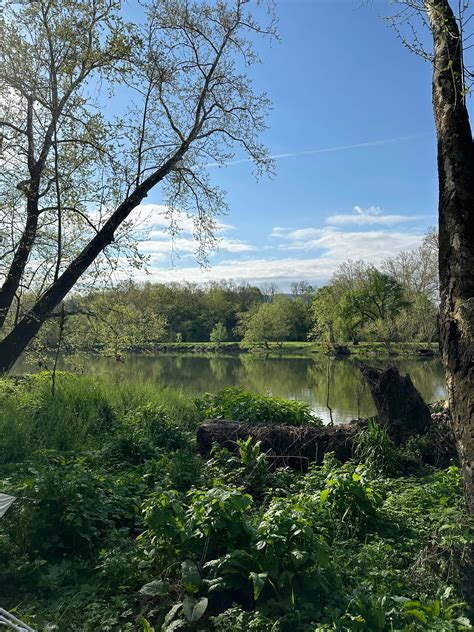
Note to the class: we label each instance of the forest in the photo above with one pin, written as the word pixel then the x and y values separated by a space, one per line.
pixel 134 504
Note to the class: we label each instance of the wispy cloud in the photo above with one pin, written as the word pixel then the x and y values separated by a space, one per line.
pixel 369 216
pixel 340 245
pixel 326 150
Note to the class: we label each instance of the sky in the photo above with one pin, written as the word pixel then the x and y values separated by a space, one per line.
pixel 353 135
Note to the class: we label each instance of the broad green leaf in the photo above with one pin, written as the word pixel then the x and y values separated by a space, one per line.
pixel 190 576
pixel 324 496
pixel 193 609
pixel 155 588
pixel 258 580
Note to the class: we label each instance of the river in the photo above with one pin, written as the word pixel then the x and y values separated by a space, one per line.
pixel 303 378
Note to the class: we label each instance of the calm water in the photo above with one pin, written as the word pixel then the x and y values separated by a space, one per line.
pixel 293 378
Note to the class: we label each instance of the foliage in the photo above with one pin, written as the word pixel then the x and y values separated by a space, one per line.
pixel 237 404
pixel 282 319
pixel 218 334
pixel 396 302
pixel 121 525
pixel 376 450
pixel 351 498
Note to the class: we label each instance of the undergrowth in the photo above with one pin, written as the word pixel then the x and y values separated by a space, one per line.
pixel 119 524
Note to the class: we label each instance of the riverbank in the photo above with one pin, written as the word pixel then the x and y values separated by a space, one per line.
pixel 362 349
pixel 120 524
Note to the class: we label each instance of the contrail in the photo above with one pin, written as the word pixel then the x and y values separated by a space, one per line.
pixel 326 150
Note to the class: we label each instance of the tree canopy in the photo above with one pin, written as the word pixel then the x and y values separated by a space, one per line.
pixel 78 163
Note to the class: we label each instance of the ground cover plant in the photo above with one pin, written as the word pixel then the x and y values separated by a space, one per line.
pixel 119 524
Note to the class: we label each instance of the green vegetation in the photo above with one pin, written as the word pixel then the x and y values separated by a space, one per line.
pixel 394 304
pixel 119 524
pixel 389 307
pixel 237 404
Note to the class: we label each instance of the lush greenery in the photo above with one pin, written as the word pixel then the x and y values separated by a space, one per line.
pixel 237 404
pixel 119 524
pixel 397 303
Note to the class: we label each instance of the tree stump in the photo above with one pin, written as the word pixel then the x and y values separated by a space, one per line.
pixel 400 407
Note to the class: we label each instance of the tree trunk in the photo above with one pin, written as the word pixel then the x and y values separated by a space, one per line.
pixel 400 407
pixel 456 229
pixel 286 446
pixel 20 259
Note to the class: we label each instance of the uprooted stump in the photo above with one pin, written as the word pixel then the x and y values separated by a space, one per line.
pixel 400 407
pixel 292 446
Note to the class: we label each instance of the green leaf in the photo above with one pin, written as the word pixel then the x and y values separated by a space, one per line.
pixel 258 580
pixel 155 588
pixel 193 609
pixel 171 614
pixel 146 626
pixel 324 496
pixel 419 615
pixel 190 576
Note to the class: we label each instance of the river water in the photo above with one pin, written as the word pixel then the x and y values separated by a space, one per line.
pixel 303 378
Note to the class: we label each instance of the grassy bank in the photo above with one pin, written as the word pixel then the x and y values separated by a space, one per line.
pixel 119 524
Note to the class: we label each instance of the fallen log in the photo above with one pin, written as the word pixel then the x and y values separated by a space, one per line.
pixel 292 446
pixel 400 407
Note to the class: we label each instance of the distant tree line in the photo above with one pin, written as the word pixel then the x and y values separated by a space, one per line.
pixel 396 302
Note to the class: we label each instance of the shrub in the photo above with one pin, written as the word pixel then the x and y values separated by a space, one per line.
pixel 240 405
pixel 350 498
pixel 375 449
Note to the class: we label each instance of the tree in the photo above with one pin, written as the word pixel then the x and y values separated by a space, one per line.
pixel 417 269
pixel 450 86
pixel 269 290
pixel 326 312
pixel 74 173
pixel 456 228
pixel 375 302
pixel 218 334
pixel 303 291
pixel 269 322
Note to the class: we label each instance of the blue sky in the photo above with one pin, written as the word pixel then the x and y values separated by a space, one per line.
pixel 339 81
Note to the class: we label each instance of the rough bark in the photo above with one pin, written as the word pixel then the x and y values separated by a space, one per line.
pixel 400 407
pixel 290 446
pixel 456 229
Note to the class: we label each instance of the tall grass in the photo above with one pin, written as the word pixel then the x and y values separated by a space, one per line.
pixel 78 415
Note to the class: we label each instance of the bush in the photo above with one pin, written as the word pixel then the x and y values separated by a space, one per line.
pixel 375 449
pixel 240 405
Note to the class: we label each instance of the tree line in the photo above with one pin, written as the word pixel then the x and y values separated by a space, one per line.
pixel 393 303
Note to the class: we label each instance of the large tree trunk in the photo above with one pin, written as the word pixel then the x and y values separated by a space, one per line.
pixel 456 229
pixel 285 446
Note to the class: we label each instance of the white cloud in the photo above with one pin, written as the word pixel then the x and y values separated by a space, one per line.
pixel 155 221
pixel 371 245
pixel 156 216
pixel 335 246
pixel 309 253
pixel 367 216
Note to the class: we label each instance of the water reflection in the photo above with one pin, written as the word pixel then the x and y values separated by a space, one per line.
pixel 294 378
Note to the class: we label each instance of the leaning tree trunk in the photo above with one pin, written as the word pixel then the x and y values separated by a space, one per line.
pixel 13 345
pixel 456 229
